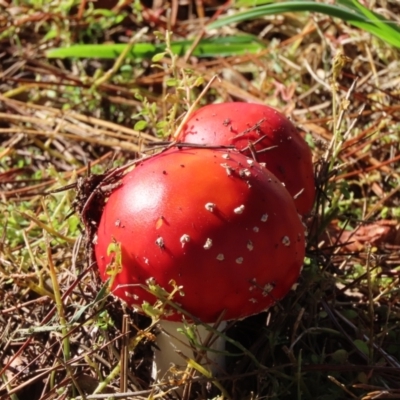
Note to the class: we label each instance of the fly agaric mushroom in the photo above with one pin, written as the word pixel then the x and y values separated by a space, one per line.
pixel 217 223
pixel 263 132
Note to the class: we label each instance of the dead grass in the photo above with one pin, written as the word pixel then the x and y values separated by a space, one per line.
pixel 337 336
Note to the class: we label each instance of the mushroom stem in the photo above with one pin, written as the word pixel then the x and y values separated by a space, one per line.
pixel 174 346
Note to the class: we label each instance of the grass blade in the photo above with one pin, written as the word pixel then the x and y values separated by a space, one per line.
pixel 357 16
pixel 251 3
pixel 222 47
pixel 386 26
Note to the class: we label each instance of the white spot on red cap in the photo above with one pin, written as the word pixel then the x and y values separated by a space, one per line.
pixel 220 257
pixel 267 289
pixel 160 242
pixel 228 169
pixel 264 218
pixel 185 238
pixel 252 300
pixel 239 260
pixel 245 173
pixel 239 210
pixel 210 206
pixel 131 295
pixel 151 281
pixel 253 284
pixel 250 245
pixel 256 229
pixel 208 244
pixel 286 241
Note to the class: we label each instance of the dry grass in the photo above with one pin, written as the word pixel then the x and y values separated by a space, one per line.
pixel 336 337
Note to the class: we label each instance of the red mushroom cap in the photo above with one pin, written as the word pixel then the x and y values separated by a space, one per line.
pixel 282 149
pixel 215 221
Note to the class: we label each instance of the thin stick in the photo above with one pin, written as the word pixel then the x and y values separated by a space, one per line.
pixel 124 353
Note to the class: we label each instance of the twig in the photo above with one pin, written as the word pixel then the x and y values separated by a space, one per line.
pixel 124 353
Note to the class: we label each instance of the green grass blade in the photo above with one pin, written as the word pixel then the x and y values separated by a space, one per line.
pixel 140 50
pixel 287 6
pixel 222 47
pixel 389 27
pixel 251 3
pixel 378 26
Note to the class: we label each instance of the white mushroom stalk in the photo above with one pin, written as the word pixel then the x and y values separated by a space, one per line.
pixel 175 349
pixel 180 344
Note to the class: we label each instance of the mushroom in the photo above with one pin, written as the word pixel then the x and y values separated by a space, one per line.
pixel 262 132
pixel 233 243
